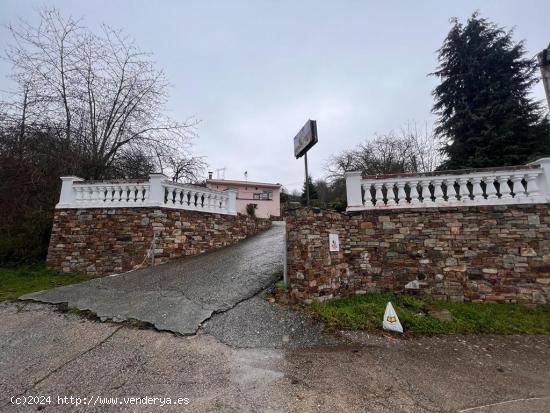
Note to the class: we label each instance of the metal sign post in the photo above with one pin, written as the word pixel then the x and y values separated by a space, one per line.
pixel 303 141
pixel 307 181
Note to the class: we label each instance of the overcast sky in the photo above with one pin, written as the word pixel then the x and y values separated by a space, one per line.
pixel 254 71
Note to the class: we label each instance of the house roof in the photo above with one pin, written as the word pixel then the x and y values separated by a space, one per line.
pixel 241 183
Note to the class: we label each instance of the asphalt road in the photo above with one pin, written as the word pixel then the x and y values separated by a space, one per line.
pixel 45 353
pixel 179 296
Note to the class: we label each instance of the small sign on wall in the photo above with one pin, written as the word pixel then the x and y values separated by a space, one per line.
pixel 333 243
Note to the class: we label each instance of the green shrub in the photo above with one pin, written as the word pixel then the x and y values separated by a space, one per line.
pixel 251 210
pixel 26 240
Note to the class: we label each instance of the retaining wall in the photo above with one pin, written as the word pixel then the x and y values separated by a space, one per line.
pixel 485 253
pixel 112 240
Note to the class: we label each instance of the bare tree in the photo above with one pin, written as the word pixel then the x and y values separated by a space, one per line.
pixel 101 94
pixel 425 148
pixel 413 150
pixel 186 169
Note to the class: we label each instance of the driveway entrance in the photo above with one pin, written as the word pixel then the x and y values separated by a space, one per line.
pixel 180 295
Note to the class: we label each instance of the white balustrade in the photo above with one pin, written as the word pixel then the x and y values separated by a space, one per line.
pixel 158 191
pixel 489 186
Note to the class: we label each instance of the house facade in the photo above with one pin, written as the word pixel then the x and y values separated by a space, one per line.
pixel 265 196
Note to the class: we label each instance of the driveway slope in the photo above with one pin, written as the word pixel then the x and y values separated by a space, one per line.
pixel 180 295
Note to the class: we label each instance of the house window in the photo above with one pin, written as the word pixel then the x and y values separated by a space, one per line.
pixel 264 195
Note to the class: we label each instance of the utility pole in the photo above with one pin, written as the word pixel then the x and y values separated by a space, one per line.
pixel 544 63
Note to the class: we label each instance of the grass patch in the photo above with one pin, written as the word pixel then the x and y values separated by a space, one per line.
pixel 17 281
pixel 140 325
pixel 281 285
pixel 365 312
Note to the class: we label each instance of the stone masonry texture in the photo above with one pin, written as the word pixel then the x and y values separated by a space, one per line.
pixel 113 240
pixel 486 253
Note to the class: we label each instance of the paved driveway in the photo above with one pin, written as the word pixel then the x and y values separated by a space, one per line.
pixel 180 295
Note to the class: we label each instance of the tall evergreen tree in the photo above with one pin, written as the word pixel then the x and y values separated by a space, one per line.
pixel 486 117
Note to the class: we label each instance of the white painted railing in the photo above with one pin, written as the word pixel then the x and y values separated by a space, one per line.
pixel 157 191
pixel 489 186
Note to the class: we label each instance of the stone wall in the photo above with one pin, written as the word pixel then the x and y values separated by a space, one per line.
pixel 491 253
pixel 113 240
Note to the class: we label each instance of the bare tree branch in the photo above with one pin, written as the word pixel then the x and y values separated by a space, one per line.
pixel 413 150
pixel 102 94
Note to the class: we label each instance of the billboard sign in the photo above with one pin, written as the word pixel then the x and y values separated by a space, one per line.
pixel 305 139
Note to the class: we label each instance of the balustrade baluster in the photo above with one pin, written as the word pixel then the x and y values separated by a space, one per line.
pixel 132 196
pixel 532 186
pixel 89 194
pixel 84 194
pixel 92 192
pixel 426 194
pixel 118 194
pixel 414 194
pixel 82 191
pixel 448 194
pixel 124 194
pixel 368 201
pixel 477 190
pixel 145 193
pixel 452 195
pixel 175 198
pixel 438 191
pixel 490 188
pixel 519 190
pixel 378 195
pixel 401 194
pixel 390 194
pixel 101 195
pixel 504 188
pixel 464 191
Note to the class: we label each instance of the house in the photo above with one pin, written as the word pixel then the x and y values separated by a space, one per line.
pixel 265 196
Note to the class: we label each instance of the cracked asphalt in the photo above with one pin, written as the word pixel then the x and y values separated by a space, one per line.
pixel 179 296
